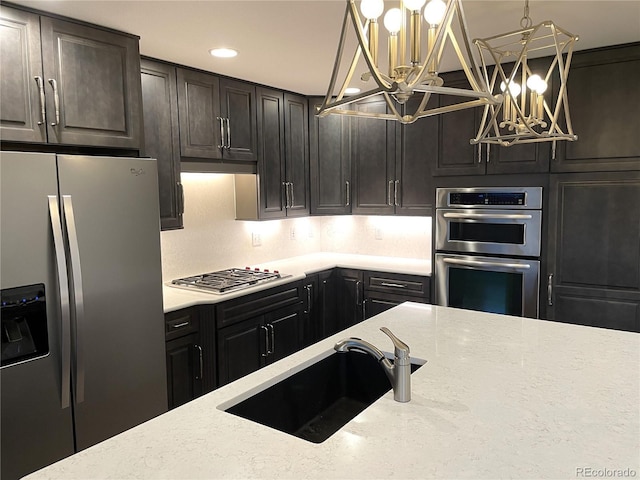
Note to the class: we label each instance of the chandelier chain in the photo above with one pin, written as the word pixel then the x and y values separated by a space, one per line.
pixel 525 21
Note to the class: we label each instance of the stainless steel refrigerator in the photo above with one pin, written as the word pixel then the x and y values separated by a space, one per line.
pixel 82 320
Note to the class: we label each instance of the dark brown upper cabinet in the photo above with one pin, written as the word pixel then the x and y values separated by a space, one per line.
pixel 68 83
pixel 330 162
pixel 161 138
pixel 603 104
pixel 217 117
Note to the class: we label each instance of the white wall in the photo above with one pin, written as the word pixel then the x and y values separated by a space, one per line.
pixel 212 239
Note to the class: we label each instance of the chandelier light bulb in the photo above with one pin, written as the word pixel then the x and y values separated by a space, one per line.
pixel 434 12
pixel 393 20
pixel 372 9
pixel 514 88
pixel 414 5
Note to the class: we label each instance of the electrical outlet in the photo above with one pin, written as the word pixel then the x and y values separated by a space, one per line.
pixel 256 240
pixel 292 233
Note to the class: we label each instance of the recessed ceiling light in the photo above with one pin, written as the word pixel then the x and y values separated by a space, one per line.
pixel 223 52
pixel 351 90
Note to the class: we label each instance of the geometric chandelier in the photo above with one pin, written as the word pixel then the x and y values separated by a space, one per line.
pixel 526 116
pixel 410 68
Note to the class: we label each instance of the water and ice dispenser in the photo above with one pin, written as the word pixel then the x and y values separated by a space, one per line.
pixel 24 324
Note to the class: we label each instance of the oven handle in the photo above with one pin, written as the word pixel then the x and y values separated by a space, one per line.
pixel 480 263
pixel 509 216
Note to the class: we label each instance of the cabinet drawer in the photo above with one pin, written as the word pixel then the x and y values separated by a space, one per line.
pixel 181 322
pixel 408 285
pixel 248 306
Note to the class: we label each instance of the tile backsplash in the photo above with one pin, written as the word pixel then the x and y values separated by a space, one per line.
pixel 212 239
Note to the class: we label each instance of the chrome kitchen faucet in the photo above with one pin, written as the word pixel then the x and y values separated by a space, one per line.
pixel 399 372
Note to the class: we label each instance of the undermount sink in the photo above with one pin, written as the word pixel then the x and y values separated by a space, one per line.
pixel 317 401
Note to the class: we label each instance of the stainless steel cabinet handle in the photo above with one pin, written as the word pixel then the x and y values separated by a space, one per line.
pixel 389 187
pixel 201 374
pixel 364 309
pixel 228 134
pixel 266 341
pixel 550 290
pixel 273 338
pixel 292 200
pixel 180 199
pixel 395 193
pixel 358 300
pixel 180 325
pixel 221 120
pixel 78 295
pixel 63 287
pixel 40 83
pixel 396 285
pixel 56 101
pixel 348 194
pixel 286 194
pixel 488 152
pixel 309 305
pixel 479 263
pixel 479 150
pixel 497 216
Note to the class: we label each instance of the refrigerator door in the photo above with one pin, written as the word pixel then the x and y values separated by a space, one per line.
pixel 36 429
pixel 111 214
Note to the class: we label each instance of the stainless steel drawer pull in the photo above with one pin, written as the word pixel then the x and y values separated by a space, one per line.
pixel 228 134
pixel 266 341
pixel 180 325
pixel 348 194
pixel 395 285
pixel 550 290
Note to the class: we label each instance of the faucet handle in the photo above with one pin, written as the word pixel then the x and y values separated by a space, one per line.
pixel 401 349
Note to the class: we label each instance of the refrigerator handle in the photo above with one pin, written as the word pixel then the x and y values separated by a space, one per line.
pixel 63 287
pixel 76 281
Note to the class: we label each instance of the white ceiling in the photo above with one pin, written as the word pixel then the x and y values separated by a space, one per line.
pixel 292 44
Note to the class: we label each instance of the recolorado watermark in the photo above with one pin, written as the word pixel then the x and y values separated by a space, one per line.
pixel 591 472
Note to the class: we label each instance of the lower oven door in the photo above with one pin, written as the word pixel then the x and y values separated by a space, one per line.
pixel 489 284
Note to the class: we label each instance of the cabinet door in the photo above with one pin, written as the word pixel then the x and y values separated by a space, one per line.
pixel 603 102
pixel 238 107
pixel 284 330
pixel 242 349
pixel 330 318
pixel 22 116
pixel 161 139
pixel 93 85
pixel 350 297
pixel 271 164
pixel 184 370
pixel 594 260
pixel 330 162
pixel 414 192
pixel 296 130
pixel 199 113
pixel 373 161
pixel 311 321
pixel 456 155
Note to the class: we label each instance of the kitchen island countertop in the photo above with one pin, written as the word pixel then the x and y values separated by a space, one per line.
pixel 499 397
pixel 297 268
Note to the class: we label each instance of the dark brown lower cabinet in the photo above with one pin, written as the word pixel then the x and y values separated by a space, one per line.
pixel 184 370
pixel 185 359
pixel 593 271
pixel 383 291
pixel 258 329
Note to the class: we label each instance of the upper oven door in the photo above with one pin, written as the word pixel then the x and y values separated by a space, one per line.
pixel 499 232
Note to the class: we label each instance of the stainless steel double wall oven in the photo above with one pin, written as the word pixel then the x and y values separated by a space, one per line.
pixel 488 243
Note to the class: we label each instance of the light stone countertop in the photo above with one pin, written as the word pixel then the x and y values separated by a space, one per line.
pixel 297 268
pixel 499 397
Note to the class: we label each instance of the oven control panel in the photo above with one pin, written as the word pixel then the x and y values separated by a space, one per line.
pixel 487 198
pixel 516 198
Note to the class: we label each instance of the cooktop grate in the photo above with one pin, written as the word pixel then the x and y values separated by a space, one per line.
pixel 225 281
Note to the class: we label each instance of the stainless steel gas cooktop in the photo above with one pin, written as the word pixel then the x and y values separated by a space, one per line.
pixel 225 281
